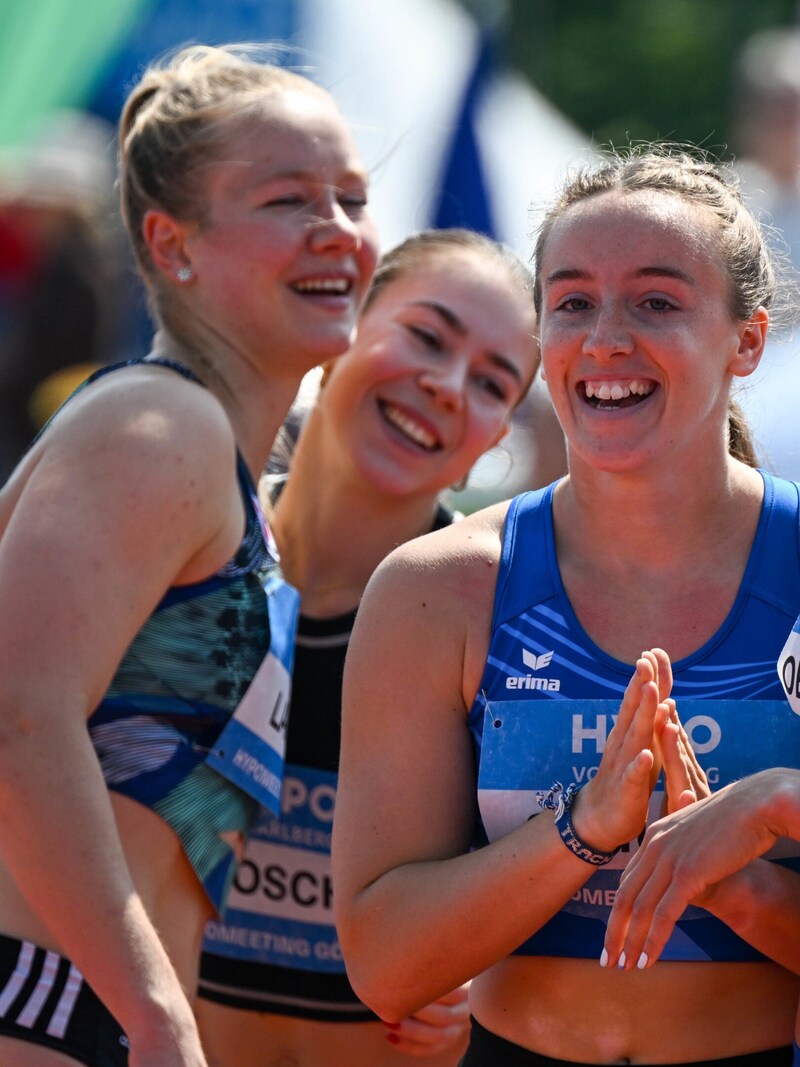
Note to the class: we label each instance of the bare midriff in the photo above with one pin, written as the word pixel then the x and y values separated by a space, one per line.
pixel 674 1012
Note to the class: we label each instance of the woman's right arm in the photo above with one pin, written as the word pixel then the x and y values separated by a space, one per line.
pixel 112 512
pixel 418 913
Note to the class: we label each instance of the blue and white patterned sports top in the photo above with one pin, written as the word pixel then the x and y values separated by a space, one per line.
pixel 177 686
pixel 548 698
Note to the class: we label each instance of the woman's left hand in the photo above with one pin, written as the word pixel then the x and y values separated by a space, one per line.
pixel 435 1028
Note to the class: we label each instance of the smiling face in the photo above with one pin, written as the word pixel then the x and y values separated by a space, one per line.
pixel 443 354
pixel 639 342
pixel 283 256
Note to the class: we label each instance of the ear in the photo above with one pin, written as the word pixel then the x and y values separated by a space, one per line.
pixel 166 242
pixel 752 339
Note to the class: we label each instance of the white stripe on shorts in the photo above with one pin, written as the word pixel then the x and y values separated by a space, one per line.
pixel 63 1013
pixel 28 1016
pixel 18 978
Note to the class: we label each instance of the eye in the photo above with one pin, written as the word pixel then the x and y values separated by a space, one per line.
pixel 491 385
pixel 353 202
pixel 658 303
pixel 286 200
pixel 573 303
pixel 428 337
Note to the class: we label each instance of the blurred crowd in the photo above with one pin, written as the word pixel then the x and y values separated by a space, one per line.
pixel 70 299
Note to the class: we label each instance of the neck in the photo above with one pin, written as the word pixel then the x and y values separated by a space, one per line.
pixel 646 523
pixel 333 530
pixel 254 400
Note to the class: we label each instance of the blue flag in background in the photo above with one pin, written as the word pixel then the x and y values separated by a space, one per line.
pixel 463 198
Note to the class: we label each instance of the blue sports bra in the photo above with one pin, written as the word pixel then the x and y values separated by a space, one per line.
pixel 548 698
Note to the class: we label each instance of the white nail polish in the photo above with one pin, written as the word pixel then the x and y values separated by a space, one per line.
pixel 621 962
pixel 603 958
pixel 642 961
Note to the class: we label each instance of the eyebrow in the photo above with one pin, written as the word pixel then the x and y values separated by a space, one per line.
pixel 312 176
pixel 455 323
pixel 658 271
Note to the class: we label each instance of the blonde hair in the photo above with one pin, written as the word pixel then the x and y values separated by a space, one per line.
pixel 179 118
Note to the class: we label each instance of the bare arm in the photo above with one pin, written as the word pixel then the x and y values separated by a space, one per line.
pixel 111 514
pixel 417 913
pixel 704 854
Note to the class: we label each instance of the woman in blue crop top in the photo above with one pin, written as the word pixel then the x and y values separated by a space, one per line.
pixel 134 561
pixel 504 735
pixel 443 354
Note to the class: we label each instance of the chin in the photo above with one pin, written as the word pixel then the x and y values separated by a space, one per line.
pixel 621 460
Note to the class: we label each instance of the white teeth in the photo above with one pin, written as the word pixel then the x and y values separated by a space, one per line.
pixel 418 434
pixel 618 390
pixel 323 285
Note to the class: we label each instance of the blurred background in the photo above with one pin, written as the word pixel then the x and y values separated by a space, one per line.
pixel 467 112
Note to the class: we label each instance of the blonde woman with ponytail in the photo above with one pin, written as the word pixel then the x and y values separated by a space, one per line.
pixel 134 561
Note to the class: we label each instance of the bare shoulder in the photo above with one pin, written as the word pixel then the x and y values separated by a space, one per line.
pixel 146 406
pixel 435 594
pixel 453 563
pixel 146 426
pixel 140 458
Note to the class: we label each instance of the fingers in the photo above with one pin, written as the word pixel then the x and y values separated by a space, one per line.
pixel 684 779
pixel 434 1028
pixel 698 775
pixel 677 780
pixel 645 911
pixel 644 673
pixel 614 807
pixel 663 672
pixel 646 907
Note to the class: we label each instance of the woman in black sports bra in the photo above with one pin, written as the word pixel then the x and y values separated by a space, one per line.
pixel 134 563
pixel 443 354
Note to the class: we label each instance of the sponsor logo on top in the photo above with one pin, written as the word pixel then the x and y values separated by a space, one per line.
pixel 534 680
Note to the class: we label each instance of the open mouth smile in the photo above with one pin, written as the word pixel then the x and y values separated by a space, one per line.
pixel 340 286
pixel 620 393
pixel 409 427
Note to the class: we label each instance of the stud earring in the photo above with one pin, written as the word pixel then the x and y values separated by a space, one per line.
pixel 184 274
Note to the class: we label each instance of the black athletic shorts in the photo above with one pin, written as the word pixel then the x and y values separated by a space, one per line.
pixel 44 1000
pixel 488 1050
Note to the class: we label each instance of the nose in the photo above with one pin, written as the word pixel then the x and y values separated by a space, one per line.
pixel 609 334
pixel 446 384
pixel 333 228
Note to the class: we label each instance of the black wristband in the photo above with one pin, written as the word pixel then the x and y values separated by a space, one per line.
pixel 579 848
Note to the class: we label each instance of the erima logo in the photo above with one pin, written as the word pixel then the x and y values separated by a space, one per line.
pixel 534 663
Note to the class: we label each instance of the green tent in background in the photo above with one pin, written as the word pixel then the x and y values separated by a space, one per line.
pixel 50 53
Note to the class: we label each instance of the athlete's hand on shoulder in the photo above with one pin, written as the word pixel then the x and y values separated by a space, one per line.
pixel 435 1028
pixel 612 809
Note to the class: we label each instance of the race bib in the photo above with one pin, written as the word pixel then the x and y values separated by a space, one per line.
pixel 789 668
pixel 251 749
pixel 280 908
pixel 528 745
